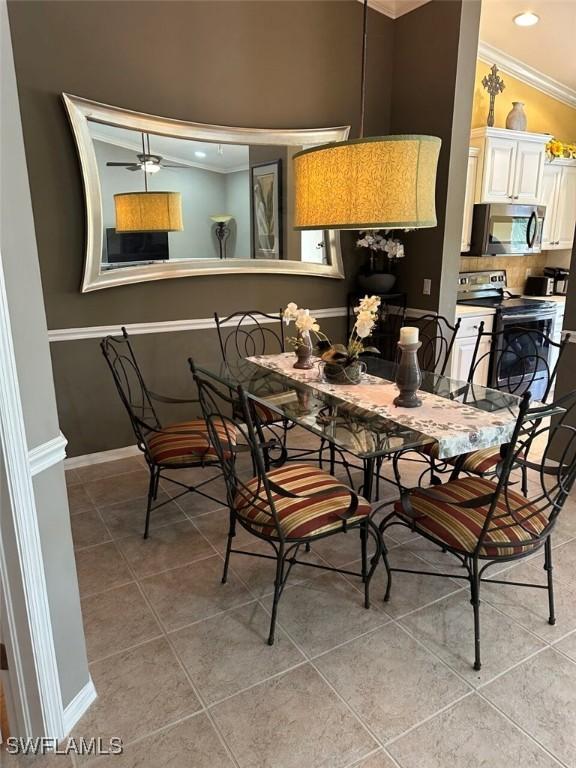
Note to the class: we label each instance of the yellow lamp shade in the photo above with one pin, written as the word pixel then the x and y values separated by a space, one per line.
pixel 387 182
pixel 148 212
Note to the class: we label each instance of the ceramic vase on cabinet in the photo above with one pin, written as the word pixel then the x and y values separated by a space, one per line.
pixel 516 119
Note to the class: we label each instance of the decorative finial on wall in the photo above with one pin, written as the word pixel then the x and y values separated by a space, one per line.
pixel 494 84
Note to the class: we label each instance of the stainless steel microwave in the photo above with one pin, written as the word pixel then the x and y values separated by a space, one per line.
pixel 501 229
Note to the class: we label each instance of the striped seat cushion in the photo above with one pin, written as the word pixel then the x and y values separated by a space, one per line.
pixel 460 528
pixel 265 414
pixel 187 443
pixel 299 517
pixel 480 462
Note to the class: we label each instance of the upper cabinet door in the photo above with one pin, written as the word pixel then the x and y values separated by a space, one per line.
pixel 469 199
pixel 549 198
pixel 498 176
pixel 528 172
pixel 566 215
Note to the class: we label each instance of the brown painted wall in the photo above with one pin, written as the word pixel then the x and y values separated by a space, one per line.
pixel 433 81
pixel 279 63
pixel 274 64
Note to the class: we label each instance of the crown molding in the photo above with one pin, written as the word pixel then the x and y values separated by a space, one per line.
pixel 527 74
pixel 394 8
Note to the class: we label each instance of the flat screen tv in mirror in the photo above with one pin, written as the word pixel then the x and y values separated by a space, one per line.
pixel 233 188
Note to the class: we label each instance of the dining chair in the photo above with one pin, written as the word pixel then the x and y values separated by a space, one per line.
pixel 484 522
pixel 249 333
pixel 180 445
pixel 287 507
pixel 519 362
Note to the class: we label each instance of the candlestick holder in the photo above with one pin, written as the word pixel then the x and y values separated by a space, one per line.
pixel 408 376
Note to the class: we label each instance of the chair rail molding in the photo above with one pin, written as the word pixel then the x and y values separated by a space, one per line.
pixel 172 326
pixel 31 579
pixel 47 454
pixel 527 74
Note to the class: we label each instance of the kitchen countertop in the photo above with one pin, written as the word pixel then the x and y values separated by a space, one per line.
pixel 466 309
pixel 556 299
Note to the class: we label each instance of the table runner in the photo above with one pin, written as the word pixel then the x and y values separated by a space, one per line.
pixel 456 427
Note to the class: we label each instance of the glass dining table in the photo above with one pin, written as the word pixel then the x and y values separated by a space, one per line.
pixel 362 420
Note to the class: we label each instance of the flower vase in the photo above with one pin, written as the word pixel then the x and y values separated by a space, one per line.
pixel 304 351
pixel 335 373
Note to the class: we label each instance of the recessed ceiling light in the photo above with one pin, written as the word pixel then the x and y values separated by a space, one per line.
pixel 526 19
pixel 200 154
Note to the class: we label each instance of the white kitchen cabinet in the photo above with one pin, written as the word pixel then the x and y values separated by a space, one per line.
pixel 471 169
pixel 463 349
pixel 510 165
pixel 559 197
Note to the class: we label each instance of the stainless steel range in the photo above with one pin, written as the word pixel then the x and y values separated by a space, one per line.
pixel 515 321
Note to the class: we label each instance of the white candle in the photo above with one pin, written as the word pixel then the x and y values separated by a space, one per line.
pixel 408 335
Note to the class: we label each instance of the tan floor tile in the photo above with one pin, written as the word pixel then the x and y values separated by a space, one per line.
pixel 78 499
pixel 447 628
pixel 390 680
pixel 129 517
pixel 564 561
pixel 378 760
pixel 34 761
pixel 292 721
pixel 540 695
pixel 471 734
pixel 138 691
pixel 258 573
pixel 326 611
pixel 100 568
pixel 192 743
pixel 113 490
pixel 214 526
pixel 409 591
pixel 568 645
pixel 184 595
pixel 229 652
pixel 116 620
pixel 88 529
pixel 92 472
pixel 343 548
pixel 528 606
pixel 193 503
pixel 71 476
pixel 167 547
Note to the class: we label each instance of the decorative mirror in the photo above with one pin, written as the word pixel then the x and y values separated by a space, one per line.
pixel 166 198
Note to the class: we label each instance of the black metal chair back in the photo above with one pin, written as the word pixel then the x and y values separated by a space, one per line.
pixel 518 360
pixel 437 337
pixel 544 444
pixel 251 333
pixel 234 432
pixel 134 393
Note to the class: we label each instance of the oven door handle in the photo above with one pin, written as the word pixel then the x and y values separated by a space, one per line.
pixel 531 236
pixel 516 320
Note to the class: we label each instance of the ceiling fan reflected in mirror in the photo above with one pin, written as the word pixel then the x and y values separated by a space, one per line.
pixel 147 162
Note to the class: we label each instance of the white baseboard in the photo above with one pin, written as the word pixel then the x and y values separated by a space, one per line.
pixel 79 705
pixel 102 456
pixel 47 454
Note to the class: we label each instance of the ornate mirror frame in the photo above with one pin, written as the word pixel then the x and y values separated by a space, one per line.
pixel 81 110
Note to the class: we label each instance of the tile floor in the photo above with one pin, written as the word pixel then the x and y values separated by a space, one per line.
pixel 185 677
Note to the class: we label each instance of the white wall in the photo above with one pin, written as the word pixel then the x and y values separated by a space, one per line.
pixel 237 196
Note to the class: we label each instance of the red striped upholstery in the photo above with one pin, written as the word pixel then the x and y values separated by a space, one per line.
pixel 186 443
pixel 266 414
pixel 304 516
pixel 480 462
pixel 460 528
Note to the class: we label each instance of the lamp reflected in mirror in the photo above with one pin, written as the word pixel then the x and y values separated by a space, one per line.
pixel 222 231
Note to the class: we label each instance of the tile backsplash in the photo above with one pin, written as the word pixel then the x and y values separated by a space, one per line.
pixel 518 268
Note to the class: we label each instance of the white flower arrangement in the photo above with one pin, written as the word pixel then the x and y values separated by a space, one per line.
pixel 366 314
pixel 305 324
pixel 379 243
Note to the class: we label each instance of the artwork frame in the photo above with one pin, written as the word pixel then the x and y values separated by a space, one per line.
pixel 265 210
